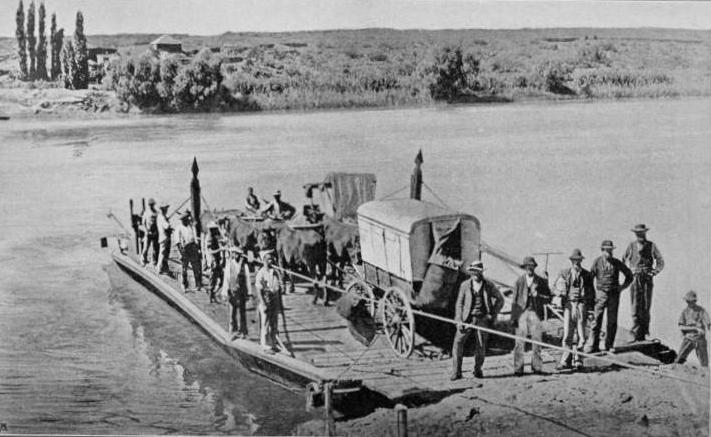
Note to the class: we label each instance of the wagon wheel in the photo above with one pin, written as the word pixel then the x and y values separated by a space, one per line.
pixel 360 288
pixel 398 321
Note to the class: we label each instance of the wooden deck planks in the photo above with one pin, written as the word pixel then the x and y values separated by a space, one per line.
pixel 322 342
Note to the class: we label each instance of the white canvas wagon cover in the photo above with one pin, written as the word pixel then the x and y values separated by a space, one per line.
pixel 399 235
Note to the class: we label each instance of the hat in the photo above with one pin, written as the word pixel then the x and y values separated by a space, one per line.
pixel 267 253
pixel 151 201
pixel 186 215
pixel 212 225
pixel 577 254
pixel 529 261
pixel 640 228
pixel 277 193
pixel 164 205
pixel 690 296
pixel 607 244
pixel 236 249
pixel 476 266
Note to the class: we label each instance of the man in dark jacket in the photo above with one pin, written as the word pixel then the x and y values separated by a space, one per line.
pixel 478 303
pixel 645 260
pixel 606 271
pixel 530 295
pixel 576 291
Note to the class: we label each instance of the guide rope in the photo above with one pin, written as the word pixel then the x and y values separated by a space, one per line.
pixel 506 335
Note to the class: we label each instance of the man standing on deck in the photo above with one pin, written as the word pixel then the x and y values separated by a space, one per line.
pixel 251 203
pixel 237 293
pixel 644 259
pixel 164 232
pixel 278 209
pixel 268 284
pixel 574 287
pixel 478 303
pixel 189 251
pixel 530 294
pixel 214 250
pixel 606 271
pixel 150 232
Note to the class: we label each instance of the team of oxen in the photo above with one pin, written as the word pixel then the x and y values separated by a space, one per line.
pixel 322 252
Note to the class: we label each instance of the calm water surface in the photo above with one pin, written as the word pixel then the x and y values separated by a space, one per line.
pixel 85 350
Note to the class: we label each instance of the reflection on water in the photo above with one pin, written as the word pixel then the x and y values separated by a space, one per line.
pixel 83 349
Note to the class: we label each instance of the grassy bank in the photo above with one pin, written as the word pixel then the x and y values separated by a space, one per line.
pixel 384 67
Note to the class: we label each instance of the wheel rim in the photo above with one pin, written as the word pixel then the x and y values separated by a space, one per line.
pixel 360 288
pixel 398 322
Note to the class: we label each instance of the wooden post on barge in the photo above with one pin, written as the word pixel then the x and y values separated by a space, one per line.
pixel 328 407
pixel 416 178
pixel 134 226
pixel 195 197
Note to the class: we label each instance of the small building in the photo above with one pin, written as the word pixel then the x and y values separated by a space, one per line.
pixel 101 54
pixel 167 43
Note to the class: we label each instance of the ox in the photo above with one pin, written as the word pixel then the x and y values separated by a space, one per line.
pixel 343 248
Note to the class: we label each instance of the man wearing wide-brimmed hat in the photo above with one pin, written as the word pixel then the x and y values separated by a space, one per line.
pixel 530 295
pixel 574 287
pixel 165 231
pixel 150 232
pixel 189 251
pixel 645 260
pixel 606 271
pixel 694 322
pixel 478 303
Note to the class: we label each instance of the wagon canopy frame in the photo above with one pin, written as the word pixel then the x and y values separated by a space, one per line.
pixel 398 238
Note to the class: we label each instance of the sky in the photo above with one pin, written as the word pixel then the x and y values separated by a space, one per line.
pixel 211 17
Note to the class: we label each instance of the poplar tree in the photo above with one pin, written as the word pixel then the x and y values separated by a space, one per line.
pixel 21 41
pixel 81 55
pixel 41 45
pixel 31 41
pixel 54 69
pixel 68 64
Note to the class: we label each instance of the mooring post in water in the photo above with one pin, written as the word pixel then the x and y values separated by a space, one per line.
pixel 416 178
pixel 328 406
pixel 401 412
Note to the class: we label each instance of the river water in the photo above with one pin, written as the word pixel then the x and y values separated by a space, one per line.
pixel 85 350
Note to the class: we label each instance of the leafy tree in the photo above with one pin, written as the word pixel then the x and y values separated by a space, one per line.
pixel 68 67
pixel 21 40
pixel 450 78
pixel 41 46
pixel 198 85
pixel 80 77
pixel 55 42
pixel 31 41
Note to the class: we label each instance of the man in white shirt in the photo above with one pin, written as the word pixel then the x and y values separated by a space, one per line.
pixel 189 251
pixel 150 232
pixel 268 284
pixel 164 232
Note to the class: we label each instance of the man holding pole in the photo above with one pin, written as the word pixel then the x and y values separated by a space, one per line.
pixel 149 223
pixel 646 261
pixel 530 295
pixel 478 303
pixel 268 284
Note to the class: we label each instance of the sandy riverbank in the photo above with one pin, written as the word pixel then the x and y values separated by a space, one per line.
pixel 612 402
